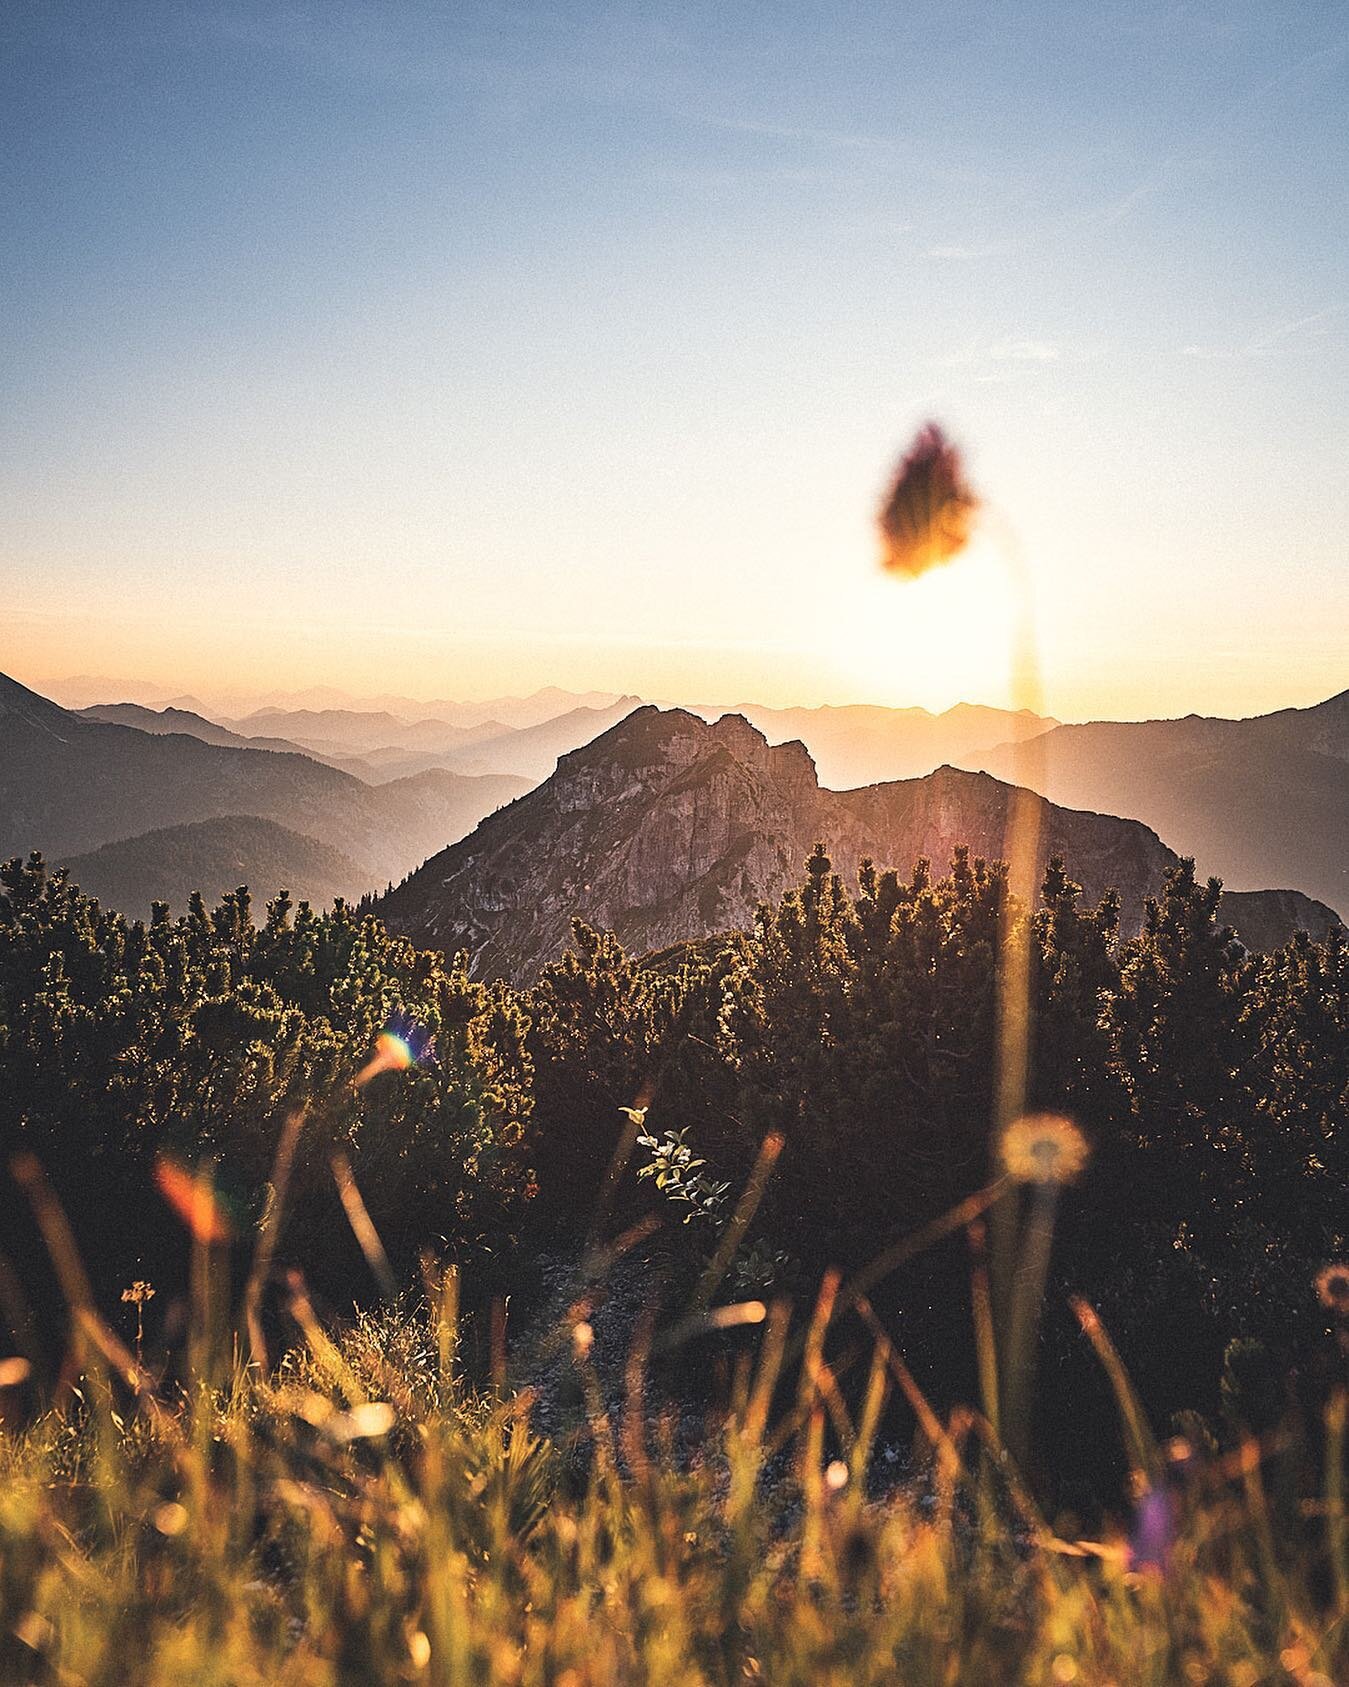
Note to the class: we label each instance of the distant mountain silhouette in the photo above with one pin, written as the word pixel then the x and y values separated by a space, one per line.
pixel 545 704
pixel 69 784
pixel 86 690
pixel 500 712
pixel 215 856
pixel 80 691
pixel 188 721
pixel 532 751
pixel 391 736
pixel 377 745
pixel 350 729
pixel 864 744
pixel 1258 802
pixel 668 828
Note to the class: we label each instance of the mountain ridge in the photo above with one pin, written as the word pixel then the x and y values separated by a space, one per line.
pixel 190 724
pixel 1260 800
pixel 668 827
pixel 864 744
pixel 69 785
pixel 213 857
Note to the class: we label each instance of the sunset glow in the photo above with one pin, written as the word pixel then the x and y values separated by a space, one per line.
pixel 596 383
pixel 674 842
pixel 942 640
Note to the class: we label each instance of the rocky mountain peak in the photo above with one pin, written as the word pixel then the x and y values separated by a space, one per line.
pixel 666 828
pixel 651 747
pixel 790 766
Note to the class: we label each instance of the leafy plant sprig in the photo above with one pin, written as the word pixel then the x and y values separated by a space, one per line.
pixel 679 1176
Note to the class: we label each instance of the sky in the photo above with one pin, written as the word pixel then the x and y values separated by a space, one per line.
pixel 457 349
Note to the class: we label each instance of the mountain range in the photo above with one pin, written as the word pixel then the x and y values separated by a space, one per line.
pixel 378 746
pixel 162 722
pixel 1259 801
pixel 216 856
pixel 353 746
pixel 389 737
pixel 855 744
pixel 668 827
pixel 350 729
pixel 69 785
pixel 81 691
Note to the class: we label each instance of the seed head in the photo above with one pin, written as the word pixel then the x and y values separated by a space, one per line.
pixel 928 516
pixel 1044 1148
pixel 1332 1286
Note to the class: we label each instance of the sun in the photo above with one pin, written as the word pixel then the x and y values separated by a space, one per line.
pixel 943 639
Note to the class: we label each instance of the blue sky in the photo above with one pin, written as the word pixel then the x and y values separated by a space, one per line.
pixel 448 349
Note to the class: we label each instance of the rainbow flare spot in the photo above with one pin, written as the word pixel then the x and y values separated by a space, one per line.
pixel 402 1044
pixel 192 1197
pixel 394 1050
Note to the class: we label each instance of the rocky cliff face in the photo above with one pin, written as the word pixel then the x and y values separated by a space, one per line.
pixel 666 828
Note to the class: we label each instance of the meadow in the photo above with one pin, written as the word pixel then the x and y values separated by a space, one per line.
pixel 357 1509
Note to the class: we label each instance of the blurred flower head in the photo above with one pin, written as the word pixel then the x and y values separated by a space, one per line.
pixel 1044 1148
pixel 13 1371
pixel 928 516
pixel 730 1317
pixel 1332 1286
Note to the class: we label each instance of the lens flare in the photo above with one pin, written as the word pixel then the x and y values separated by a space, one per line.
pixel 192 1197
pixel 1154 1531
pixel 400 1045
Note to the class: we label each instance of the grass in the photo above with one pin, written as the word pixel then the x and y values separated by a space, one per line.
pixel 354 1511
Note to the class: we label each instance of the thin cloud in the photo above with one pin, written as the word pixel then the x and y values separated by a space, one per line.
pixel 1023 351
pixel 1294 330
pixel 789 131
pixel 998 358
pixel 1223 129
pixel 965 254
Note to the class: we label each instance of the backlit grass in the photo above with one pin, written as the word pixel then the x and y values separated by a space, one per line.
pixel 355 1512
